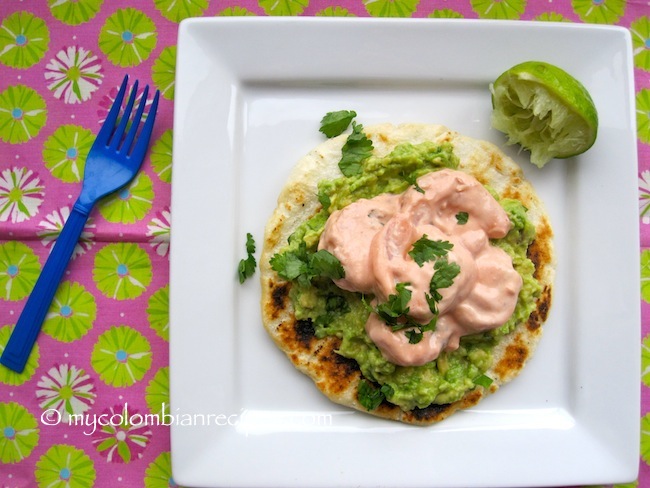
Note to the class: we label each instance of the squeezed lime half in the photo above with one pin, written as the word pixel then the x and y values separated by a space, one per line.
pixel 545 110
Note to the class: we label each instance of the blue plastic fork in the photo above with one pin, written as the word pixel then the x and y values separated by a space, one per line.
pixel 112 162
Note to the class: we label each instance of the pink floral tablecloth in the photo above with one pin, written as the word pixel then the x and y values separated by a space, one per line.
pixel 104 346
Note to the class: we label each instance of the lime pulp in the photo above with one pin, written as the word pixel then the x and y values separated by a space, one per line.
pixel 545 110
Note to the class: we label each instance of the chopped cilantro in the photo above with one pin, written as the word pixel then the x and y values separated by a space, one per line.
pixel 412 180
pixel 334 123
pixel 247 266
pixel 302 266
pixel 394 312
pixel 335 306
pixel 414 335
pixel 462 217
pixel 444 274
pixel 371 397
pixel 396 306
pixel 424 249
pixel 289 265
pixel 356 149
pixel 324 263
pixel 443 277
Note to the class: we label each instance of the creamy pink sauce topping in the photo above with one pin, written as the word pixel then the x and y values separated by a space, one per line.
pixel 372 238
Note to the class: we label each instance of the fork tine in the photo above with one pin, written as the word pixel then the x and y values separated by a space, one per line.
pixel 135 123
pixel 104 134
pixel 143 140
pixel 126 115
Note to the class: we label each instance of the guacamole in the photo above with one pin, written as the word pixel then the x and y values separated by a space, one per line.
pixel 335 312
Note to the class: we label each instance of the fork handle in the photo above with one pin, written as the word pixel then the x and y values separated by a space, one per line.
pixel 31 319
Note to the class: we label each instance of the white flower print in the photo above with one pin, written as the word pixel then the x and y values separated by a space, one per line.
pixel 52 226
pixel 158 230
pixel 67 389
pixel 21 193
pixel 644 196
pixel 74 74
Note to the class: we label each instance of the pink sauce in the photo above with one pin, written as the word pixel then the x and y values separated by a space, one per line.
pixel 372 239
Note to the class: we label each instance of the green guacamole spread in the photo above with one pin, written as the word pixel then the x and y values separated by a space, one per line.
pixel 343 314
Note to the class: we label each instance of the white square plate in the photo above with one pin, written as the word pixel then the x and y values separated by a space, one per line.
pixel 249 97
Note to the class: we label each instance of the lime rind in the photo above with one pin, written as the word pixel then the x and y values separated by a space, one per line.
pixel 545 110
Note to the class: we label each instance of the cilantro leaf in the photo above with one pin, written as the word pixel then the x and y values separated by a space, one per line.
pixel 246 267
pixel 425 250
pixel 288 265
pixel 335 306
pixel 250 243
pixel 462 217
pixel 324 263
pixel 411 180
pixel 433 300
pixel 444 274
pixel 303 266
pixel 396 306
pixel 414 335
pixel 356 149
pixel 334 123
pixel 371 397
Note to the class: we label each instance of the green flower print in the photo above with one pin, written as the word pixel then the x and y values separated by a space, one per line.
pixel 23 114
pixel 645 276
pixel 9 377
pixel 157 392
pixel 21 194
pixel 640 30
pixel 158 312
pixel 283 7
pixel 551 17
pixel 72 313
pixel 645 438
pixel 163 72
pixel 74 12
pixel 131 203
pixel 67 390
pixel 235 12
pixel 445 13
pixel 161 156
pixel 122 270
pixel 643 115
pixel 334 12
pixel 177 10
pixel 634 484
pixel 159 472
pixel 19 270
pixel 121 356
pixel 128 37
pixel 499 9
pixel 391 8
pixel 599 11
pixel 24 40
pixel 18 433
pixel 65 152
pixel 64 466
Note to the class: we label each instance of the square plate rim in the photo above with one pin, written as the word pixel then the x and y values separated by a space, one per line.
pixel 360 21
